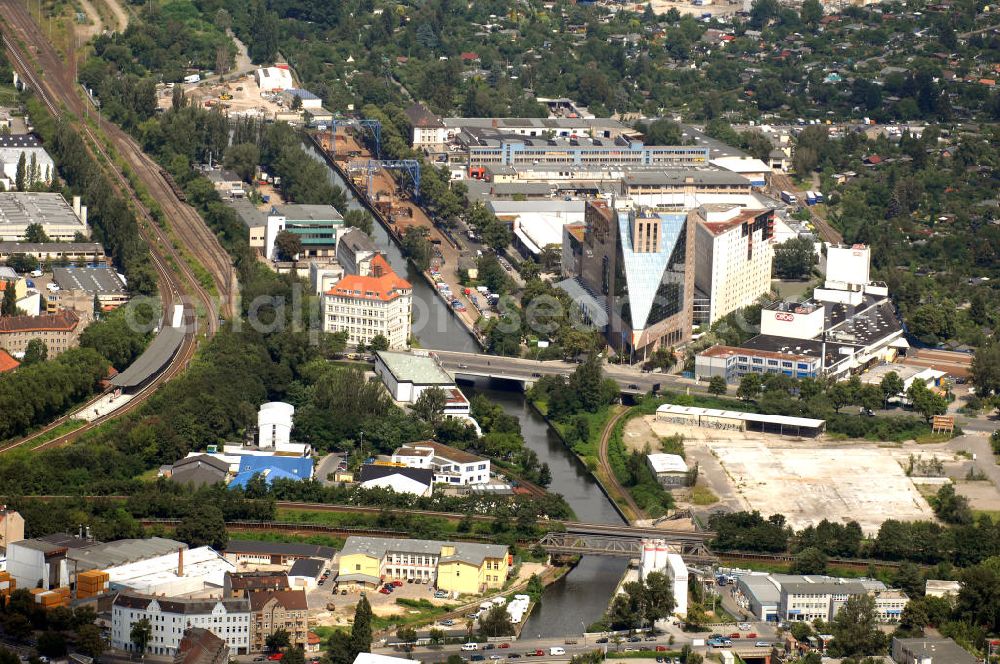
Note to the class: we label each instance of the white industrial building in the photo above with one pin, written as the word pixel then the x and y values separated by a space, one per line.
pixel 670 470
pixel 538 223
pixel 450 465
pixel 412 481
pixel 752 169
pixel 657 557
pixel 407 374
pixel 274 425
pixel 12 146
pixel 274 79
pixel 169 617
pixel 183 572
pixel 61 223
pixel 733 258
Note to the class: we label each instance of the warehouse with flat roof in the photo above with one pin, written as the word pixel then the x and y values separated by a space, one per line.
pixel 61 223
pixel 730 420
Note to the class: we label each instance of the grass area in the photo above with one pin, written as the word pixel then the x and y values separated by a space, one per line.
pixel 931 438
pixel 702 495
pixel 585 449
pixel 66 427
pixel 415 613
pixel 319 540
pixel 994 515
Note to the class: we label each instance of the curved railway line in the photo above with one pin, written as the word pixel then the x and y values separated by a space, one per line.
pixel 54 88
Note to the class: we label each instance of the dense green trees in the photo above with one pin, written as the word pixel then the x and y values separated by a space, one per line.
pixel 113 223
pixel 794 259
pixel 204 526
pixel 37 393
pixel 586 390
pixel 115 338
pixel 642 603
pixel 855 629
pixel 749 531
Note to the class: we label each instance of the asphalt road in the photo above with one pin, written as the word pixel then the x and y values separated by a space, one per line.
pixel 631 379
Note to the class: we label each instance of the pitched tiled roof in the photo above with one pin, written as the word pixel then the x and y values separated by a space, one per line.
pixel 64 321
pixel 292 600
pixel 7 363
pixel 384 284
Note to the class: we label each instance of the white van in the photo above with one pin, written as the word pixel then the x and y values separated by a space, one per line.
pixel 556 650
pixel 470 646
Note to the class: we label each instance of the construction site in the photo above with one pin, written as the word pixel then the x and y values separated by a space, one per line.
pixel 391 191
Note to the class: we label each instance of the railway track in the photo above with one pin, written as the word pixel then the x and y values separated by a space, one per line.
pixel 53 89
pixel 57 86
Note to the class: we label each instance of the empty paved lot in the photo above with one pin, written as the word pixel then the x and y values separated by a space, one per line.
pixel 866 484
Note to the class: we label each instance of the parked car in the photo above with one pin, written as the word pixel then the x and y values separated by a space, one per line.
pixel 762 644
pixel 477 658
pixel 661 649
pixel 752 635
pixel 489 646
pixel 556 650
pixel 397 583
pixel 634 639
pixel 470 646
pixel 448 622
pixel 603 639
pixel 503 645
pixel 513 655
pixel 735 635
pixel 495 657
pixel 650 638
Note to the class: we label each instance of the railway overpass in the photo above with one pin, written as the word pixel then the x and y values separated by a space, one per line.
pixel 625 541
pixel 526 371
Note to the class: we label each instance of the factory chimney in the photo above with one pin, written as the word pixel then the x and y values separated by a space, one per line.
pixel 180 561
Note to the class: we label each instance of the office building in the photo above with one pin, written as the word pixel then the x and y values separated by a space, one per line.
pixel 636 271
pixel 684 189
pixel 366 307
pixel 318 227
pixel 61 223
pixel 169 617
pixel 59 332
pixel 273 610
pixel 450 465
pixel 462 567
pixel 733 256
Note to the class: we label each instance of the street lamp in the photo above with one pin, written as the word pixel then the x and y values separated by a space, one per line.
pixel 584 626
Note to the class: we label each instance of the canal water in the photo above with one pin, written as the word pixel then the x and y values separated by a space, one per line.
pixel 580 597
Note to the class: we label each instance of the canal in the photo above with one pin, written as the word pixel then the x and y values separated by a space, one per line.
pixel 580 597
